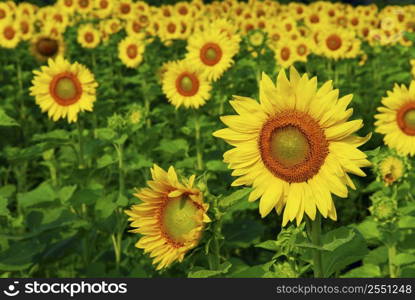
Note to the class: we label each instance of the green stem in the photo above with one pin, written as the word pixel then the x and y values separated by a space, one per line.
pixel 147 110
pixel 314 233
pixel 116 242
pixel 393 270
pixel 81 145
pixel 121 177
pixel 199 155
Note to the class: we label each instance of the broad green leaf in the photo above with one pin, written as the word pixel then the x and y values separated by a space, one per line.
pixel 66 192
pixel 3 206
pixel 234 198
pixel 224 268
pixel 368 229
pixel 377 256
pixel 43 193
pixel 350 248
pixel 406 222
pixel 403 259
pixel 365 271
pixel 268 245
pixel 21 255
pixel 5 120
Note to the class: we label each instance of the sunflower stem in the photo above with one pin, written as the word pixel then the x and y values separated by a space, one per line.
pixel 314 233
pixel 116 242
pixel 199 155
pixel 121 179
pixel 81 145
pixel 391 261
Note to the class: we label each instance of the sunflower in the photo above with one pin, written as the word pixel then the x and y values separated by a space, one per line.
pixel 171 217
pixel 5 12
pixel 45 46
pixel 9 34
pixel 396 119
pixel 25 24
pixel 124 9
pixel 84 6
pixel 185 84
pixel 334 43
pixel 295 147
pixel 285 53
pixel 130 51
pixel 68 6
pixel 103 8
pixel 64 89
pixel 391 169
pixel 212 51
pixel 302 49
pixel 88 36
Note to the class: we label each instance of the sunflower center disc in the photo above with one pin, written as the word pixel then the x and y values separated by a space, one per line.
pixel 289 146
pixel 186 84
pixel 125 8
pixel 25 27
pixel 285 53
pixel 65 88
pixel 9 33
pixel 2 14
pixel 409 119
pixel 47 47
pixel 132 51
pixel 89 37
pixel 179 218
pixel 83 3
pixel 104 4
pixel 293 146
pixel 333 42
pixel 210 54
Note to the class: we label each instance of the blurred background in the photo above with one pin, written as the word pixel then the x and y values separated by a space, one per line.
pixel 160 2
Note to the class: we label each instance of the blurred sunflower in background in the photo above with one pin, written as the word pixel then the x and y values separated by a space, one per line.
pixel 212 51
pixel 396 119
pixel 171 217
pixel 9 34
pixel 64 89
pixel 295 147
pixel 130 51
pixel 185 84
pixel 45 46
pixel 88 36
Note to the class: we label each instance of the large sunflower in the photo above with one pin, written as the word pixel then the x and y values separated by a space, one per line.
pixel 295 147
pixel 185 84
pixel 397 119
pixel 171 217
pixel 212 51
pixel 130 51
pixel 64 89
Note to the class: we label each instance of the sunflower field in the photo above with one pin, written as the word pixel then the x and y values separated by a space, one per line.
pixel 223 139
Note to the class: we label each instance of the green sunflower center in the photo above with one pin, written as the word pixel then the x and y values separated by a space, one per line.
pixel 186 84
pixel 66 88
pixel 409 119
pixel 289 146
pixel 180 218
pixel 211 54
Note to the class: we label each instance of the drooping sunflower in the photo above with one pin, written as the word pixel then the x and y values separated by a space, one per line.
pixel 295 147
pixel 45 46
pixel 396 119
pixel 212 51
pixel 185 84
pixel 9 34
pixel 64 89
pixel 171 217
pixel 88 36
pixel 130 51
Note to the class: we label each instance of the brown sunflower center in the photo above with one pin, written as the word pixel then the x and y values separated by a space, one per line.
pixel 89 37
pixel 125 8
pixel 47 47
pixel 24 27
pixel 179 218
pixel 301 50
pixel 2 14
pixel 211 54
pixel 68 3
pixel 187 84
pixel 314 19
pixel 103 4
pixel 406 118
pixel 171 28
pixel 136 27
pixel 83 3
pixel 334 42
pixel 285 53
pixel 293 146
pixel 65 89
pixel 9 33
pixel 132 51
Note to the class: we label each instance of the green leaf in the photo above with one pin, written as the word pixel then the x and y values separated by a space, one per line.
pixel 368 229
pixel 224 268
pixel 173 146
pixel 406 222
pixel 66 193
pixel 216 165
pixel 86 196
pixel 21 255
pixel 377 256
pixel 5 120
pixel 268 245
pixel 43 193
pixel 105 134
pixel 365 271
pixel 403 259
pixel 4 211
pixel 347 246
pixel 234 198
